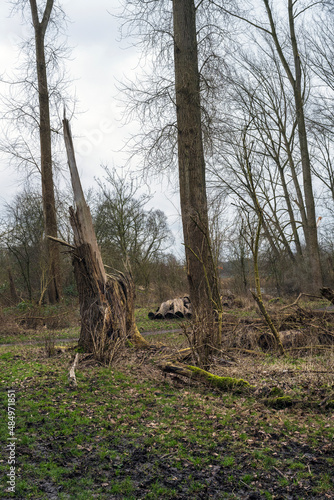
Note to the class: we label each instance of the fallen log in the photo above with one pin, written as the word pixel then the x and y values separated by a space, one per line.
pixel 194 373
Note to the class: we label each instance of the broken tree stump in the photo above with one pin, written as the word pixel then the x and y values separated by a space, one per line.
pixel 106 301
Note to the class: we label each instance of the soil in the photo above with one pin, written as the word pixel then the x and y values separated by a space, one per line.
pixel 145 467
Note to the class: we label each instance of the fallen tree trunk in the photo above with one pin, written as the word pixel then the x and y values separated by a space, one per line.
pixel 192 372
pixel 106 302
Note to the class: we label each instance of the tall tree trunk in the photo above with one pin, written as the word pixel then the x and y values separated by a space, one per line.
pixel 14 297
pixel 49 206
pixel 311 234
pixel 310 229
pixel 202 276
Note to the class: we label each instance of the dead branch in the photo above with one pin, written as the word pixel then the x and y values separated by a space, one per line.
pixel 71 376
pixel 62 242
pixel 298 299
pixel 310 347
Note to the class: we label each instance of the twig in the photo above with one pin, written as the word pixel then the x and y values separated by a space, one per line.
pixel 279 472
pixel 43 317
pixel 249 351
pixel 323 329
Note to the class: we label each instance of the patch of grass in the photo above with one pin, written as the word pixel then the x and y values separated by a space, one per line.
pixel 39 336
pixel 247 478
pixel 131 429
pixel 295 465
pixel 324 483
pixel 228 461
pixel 124 487
pixel 160 491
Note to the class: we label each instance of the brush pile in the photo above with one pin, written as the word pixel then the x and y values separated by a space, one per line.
pixel 300 327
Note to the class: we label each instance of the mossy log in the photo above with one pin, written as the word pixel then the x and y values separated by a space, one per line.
pixel 279 402
pixel 192 372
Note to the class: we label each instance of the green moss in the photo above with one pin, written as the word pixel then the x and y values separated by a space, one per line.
pixel 224 383
pixel 276 392
pixel 280 402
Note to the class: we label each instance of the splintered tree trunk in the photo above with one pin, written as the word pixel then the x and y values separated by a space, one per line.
pixel 106 302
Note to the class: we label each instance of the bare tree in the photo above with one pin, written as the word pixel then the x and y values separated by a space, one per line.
pixel 23 228
pixel 49 206
pixel 169 29
pixel 282 32
pixel 201 271
pixel 31 106
pixel 128 233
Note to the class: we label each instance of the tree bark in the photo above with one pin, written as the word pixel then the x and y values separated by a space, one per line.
pixel 202 276
pixel 106 302
pixel 14 297
pixel 49 205
pixel 328 294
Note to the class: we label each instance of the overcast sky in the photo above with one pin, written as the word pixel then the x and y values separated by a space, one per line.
pixel 99 59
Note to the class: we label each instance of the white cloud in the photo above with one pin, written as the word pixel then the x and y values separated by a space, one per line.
pixel 98 60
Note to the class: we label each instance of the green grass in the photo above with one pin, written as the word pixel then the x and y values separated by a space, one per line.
pixel 130 429
pixel 147 325
pixel 40 336
pixel 72 332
